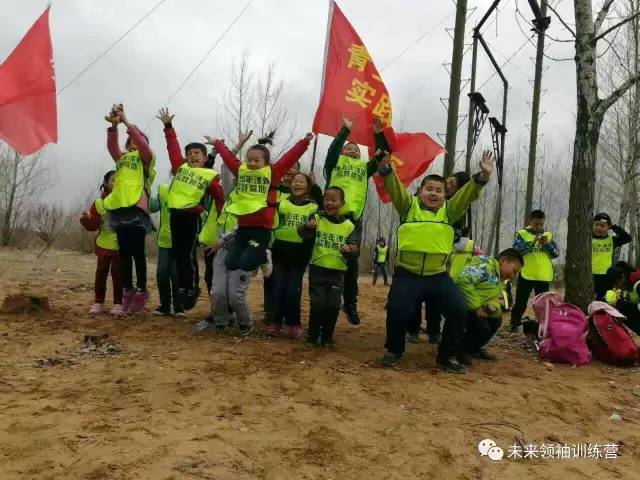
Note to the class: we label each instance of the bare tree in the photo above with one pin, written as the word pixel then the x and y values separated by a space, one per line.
pixel 48 221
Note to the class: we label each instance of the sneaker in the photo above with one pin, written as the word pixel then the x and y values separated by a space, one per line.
pixel 329 343
pixel 413 337
pixel 139 300
pixel 434 339
pixel 351 311
pixel 273 330
pixel 127 298
pixel 118 311
pixel 179 312
pixel 465 359
pixel 267 267
pixel 205 325
pixel 188 297
pixel 482 354
pixel 390 359
pixel 294 331
pixel 96 309
pixel 161 311
pixel 245 330
pixel 450 365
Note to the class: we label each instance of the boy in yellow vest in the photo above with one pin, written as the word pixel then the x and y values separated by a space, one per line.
pixel 425 238
pixel 335 240
pixel 343 168
pixel 380 259
pixel 539 249
pixel 603 245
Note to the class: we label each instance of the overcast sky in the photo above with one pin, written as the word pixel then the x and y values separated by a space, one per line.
pixel 148 65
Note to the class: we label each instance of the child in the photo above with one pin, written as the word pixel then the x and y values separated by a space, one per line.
pixel 106 250
pixel 166 272
pixel 253 202
pixel 192 180
pixel 128 205
pixel 482 285
pixel 538 249
pixel 624 293
pixel 425 237
pixel 343 168
pixel 380 258
pixel 291 255
pixel 603 245
pixel 335 239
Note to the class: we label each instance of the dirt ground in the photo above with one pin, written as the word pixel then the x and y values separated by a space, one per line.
pixel 163 402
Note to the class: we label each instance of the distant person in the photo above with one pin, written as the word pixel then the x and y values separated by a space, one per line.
pixel 380 260
pixel 603 246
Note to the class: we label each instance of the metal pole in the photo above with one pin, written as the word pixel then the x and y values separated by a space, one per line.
pixel 472 89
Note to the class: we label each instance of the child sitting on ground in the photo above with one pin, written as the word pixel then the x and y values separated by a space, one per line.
pixel 603 245
pixel 624 293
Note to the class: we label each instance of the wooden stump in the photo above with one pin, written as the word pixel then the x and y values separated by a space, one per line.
pixel 25 303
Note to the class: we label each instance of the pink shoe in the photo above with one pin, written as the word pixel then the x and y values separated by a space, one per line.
pixel 138 302
pixel 127 298
pixel 96 309
pixel 294 331
pixel 273 330
pixel 118 311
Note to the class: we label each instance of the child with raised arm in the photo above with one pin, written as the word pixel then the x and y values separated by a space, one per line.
pixel 380 260
pixel 604 241
pixel 127 205
pixel 425 239
pixel 106 249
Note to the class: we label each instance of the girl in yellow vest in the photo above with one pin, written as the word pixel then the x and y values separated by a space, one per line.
pixel 334 240
pixel 538 248
pixel 106 250
pixel 380 260
pixel 425 238
pixel 128 205
pixel 603 245
pixel 291 255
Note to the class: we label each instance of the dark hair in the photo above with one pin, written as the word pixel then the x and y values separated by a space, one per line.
pixel 537 214
pixel 267 139
pixel 381 239
pixel 462 178
pixel 211 159
pixel 599 217
pixel 128 142
pixel 337 189
pixel 195 146
pixel 432 178
pixel 106 178
pixel 306 177
pixel 512 255
pixel 618 274
pixel 263 149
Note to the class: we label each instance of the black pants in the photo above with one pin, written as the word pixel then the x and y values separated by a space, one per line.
pixel 167 279
pixel 267 298
pixel 478 332
pixel 325 292
pixel 523 292
pixel 286 292
pixel 247 250
pixel 184 244
pixel 208 270
pixel 630 310
pixel 380 269
pixel 433 318
pixel 600 286
pixel 407 291
pixel 350 294
pixel 132 249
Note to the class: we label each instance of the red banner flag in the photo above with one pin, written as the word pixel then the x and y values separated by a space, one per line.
pixel 28 114
pixel 352 85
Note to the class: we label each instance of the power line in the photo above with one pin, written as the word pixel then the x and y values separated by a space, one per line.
pixel 110 47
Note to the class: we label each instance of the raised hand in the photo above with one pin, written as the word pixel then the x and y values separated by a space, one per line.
pixel 165 116
pixel 481 313
pixel 244 137
pixel 118 111
pixel 347 122
pixel 210 140
pixel 312 225
pixel 486 164
pixel 312 177
pixel 385 162
pixel 378 127
pixel 309 136
pixel 112 119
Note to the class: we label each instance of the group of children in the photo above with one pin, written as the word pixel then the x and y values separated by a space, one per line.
pixel 278 220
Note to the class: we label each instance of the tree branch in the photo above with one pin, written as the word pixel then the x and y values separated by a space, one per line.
pixel 602 15
pixel 620 23
pixel 605 103
pixel 562 21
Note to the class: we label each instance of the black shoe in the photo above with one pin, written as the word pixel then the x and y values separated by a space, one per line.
pixel 313 341
pixel 188 297
pixel 450 365
pixel 465 359
pixel 482 354
pixel 390 359
pixel 434 339
pixel 352 313
pixel 161 311
pixel 245 330
pixel 329 343
pixel 413 337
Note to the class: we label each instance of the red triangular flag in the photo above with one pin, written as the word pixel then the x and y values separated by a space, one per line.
pixel 28 113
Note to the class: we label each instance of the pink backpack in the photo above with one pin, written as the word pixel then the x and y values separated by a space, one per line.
pixel 563 330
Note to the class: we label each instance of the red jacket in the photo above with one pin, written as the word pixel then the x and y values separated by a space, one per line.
pixel 177 160
pixel 92 224
pixel 264 218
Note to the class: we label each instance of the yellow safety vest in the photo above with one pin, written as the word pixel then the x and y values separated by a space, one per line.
pixel 382 254
pixel 425 231
pixel 164 231
pixel 601 255
pixel 537 263
pixel 329 238
pixel 251 192
pixel 459 259
pixel 227 221
pixel 209 233
pixel 291 216
pixel 189 185
pixel 350 174
pixel 106 238
pixel 130 181
pixel 280 196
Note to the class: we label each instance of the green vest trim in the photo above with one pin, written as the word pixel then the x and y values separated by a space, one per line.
pixel 601 255
pixel 350 174
pixel 291 216
pixel 537 263
pixel 460 259
pixel 382 254
pixel 251 192
pixel 209 233
pixel 189 186
pixel 130 181
pixel 329 238
pixel 106 238
pixel 164 230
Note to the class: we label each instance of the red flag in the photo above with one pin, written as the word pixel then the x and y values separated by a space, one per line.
pixel 352 85
pixel 28 114
pixel 412 155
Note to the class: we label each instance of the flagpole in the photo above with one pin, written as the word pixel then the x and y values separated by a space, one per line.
pixel 324 67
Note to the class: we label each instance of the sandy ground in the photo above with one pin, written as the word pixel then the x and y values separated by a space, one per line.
pixel 174 404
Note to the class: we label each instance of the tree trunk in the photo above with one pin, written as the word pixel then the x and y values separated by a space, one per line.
pixel 8 224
